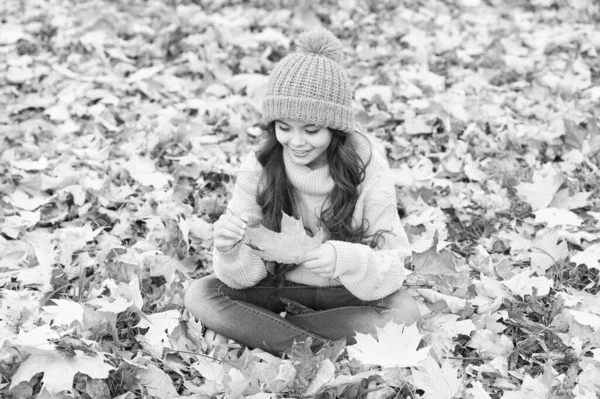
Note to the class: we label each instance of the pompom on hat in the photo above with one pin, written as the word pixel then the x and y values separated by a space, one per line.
pixel 310 85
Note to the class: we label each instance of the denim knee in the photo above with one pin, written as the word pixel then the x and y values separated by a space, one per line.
pixel 202 297
pixel 400 307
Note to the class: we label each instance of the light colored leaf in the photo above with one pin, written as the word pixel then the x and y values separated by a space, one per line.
pixel 523 284
pixel 370 93
pixel 444 327
pixel 557 217
pixel 284 247
pixel 590 380
pixel 476 392
pixel 589 257
pixel 562 200
pixel 145 73
pixel 540 193
pixel 37 337
pixel 144 172
pixel 586 319
pixel 432 262
pixel 325 373
pixel 160 326
pixel 531 388
pixel 395 346
pixel 28 202
pixel 491 345
pixel 236 384
pixel 10 33
pixel 111 305
pixel 437 382
pixel 547 251
pixel 59 369
pixel 65 312
pixel 157 382
pixel 454 303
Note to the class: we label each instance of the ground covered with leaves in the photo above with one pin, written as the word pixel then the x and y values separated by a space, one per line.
pixel 121 126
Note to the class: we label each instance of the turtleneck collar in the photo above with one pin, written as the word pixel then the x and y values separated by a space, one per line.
pixel 307 180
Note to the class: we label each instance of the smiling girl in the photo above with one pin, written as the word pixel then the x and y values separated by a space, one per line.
pixel 313 164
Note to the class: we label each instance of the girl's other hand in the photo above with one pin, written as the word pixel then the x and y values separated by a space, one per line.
pixel 229 230
pixel 320 261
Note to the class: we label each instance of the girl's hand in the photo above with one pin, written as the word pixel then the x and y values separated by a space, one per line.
pixel 229 230
pixel 320 261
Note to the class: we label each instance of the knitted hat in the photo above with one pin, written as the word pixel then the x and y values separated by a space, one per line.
pixel 310 85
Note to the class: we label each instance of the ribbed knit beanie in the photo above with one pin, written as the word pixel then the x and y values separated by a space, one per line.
pixel 310 85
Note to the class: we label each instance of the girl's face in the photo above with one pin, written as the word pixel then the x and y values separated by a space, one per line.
pixel 307 144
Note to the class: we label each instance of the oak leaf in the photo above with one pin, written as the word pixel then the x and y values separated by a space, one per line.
pixel 284 247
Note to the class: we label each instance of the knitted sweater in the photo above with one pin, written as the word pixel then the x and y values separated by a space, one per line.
pixel 369 274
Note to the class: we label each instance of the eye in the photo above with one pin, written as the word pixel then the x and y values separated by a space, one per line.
pixel 312 131
pixel 283 128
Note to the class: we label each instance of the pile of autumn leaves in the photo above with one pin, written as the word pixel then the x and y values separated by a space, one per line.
pixel 109 187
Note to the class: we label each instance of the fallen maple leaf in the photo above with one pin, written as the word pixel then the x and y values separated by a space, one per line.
pixel 395 346
pixel 546 250
pixel 562 200
pixel 437 382
pixel 325 373
pixel 236 384
pixel 523 284
pixel 444 327
pixel 557 217
pixel 160 326
pixel 540 193
pixel 284 247
pixel 436 263
pixel 157 382
pixel 59 369
pixel 455 304
pixel 589 257
pixel 65 312
pixel 476 392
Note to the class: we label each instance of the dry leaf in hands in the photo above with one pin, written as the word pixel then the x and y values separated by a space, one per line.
pixel 284 247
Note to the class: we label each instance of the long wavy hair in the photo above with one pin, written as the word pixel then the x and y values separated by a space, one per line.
pixel 277 194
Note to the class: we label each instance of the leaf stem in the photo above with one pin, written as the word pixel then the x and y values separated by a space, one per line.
pixel 206 356
pixel 461 358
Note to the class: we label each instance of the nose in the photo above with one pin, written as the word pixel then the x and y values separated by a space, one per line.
pixel 297 138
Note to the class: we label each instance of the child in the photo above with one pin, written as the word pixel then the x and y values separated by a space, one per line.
pixel 313 164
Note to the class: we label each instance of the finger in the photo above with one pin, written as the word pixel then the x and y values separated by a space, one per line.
pixel 227 225
pixel 227 219
pixel 312 265
pixel 245 217
pixel 310 255
pixel 229 234
pixel 235 221
pixel 229 239
pixel 322 272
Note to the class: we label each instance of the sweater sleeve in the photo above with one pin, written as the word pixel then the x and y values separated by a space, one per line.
pixel 239 267
pixel 368 273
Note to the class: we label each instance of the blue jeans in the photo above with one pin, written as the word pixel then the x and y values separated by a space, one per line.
pixel 251 317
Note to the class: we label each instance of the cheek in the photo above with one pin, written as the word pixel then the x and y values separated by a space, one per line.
pixel 282 138
pixel 323 141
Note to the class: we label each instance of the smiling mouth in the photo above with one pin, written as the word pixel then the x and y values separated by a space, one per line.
pixel 297 152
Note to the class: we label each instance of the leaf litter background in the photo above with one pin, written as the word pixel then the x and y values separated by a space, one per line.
pixel 122 124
